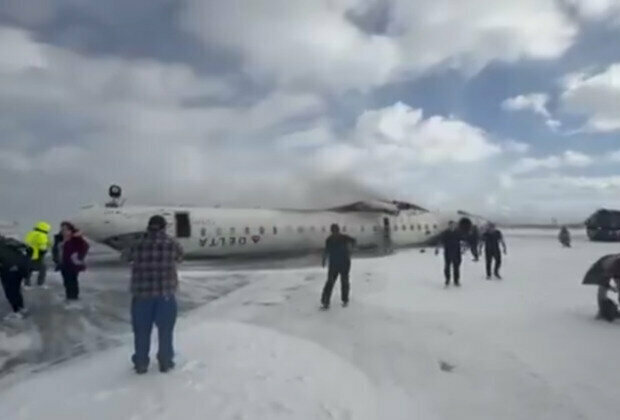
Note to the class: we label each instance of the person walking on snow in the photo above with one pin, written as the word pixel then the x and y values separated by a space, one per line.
pixel 338 251
pixel 450 240
pixel 72 257
pixel 154 283
pixel 491 240
pixel 38 242
pixel 564 237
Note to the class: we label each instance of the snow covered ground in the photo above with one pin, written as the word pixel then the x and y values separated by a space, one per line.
pixel 526 347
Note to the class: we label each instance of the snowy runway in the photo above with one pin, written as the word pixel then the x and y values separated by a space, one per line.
pixel 527 347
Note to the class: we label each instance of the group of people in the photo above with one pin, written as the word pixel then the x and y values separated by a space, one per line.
pixel 452 240
pixel 20 260
pixel 154 279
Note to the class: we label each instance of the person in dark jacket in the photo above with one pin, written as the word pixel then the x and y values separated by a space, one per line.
pixel 72 260
pixel 450 240
pixel 154 282
pixel 338 251
pixel 564 237
pixel 14 267
pixel 57 247
pixel 610 282
pixel 491 240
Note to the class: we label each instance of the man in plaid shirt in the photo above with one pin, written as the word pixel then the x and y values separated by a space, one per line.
pixel 154 283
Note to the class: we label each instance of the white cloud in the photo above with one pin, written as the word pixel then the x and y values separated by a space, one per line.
pixel 577 159
pixel 597 97
pixel 402 130
pixel 513 146
pixel 535 102
pixel 597 9
pixel 615 156
pixel 312 44
pixel 569 158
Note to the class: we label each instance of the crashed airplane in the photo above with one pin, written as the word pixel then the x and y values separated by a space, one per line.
pixel 220 232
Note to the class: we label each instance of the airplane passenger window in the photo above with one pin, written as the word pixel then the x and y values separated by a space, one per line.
pixel 232 230
pixel 300 229
pixel 218 231
pixel 275 230
pixel 404 227
pixel 434 227
pixel 395 227
pixel 362 228
pixel 261 230
pixel 412 227
pixel 247 230
pixel 203 232
pixel 419 227
pixel 312 228
pixel 323 229
pixel 289 228
pixel 344 229
pixel 375 228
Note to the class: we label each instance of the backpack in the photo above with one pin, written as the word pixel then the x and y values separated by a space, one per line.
pixel 609 310
pixel 13 254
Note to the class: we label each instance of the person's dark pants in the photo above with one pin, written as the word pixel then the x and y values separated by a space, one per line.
pixel 452 264
pixel 12 285
pixel 493 258
pixel 473 246
pixel 40 267
pixel 337 270
pixel 70 281
pixel 161 311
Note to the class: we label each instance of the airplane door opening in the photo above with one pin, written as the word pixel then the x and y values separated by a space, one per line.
pixel 183 225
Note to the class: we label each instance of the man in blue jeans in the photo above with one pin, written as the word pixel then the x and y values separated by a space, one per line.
pixel 154 282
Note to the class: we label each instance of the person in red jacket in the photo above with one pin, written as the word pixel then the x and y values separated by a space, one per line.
pixel 72 259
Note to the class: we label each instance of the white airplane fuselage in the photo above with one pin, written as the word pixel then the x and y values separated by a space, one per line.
pixel 219 232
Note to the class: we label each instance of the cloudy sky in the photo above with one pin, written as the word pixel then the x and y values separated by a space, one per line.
pixel 507 108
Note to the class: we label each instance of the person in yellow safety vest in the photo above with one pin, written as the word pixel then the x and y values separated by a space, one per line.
pixel 38 242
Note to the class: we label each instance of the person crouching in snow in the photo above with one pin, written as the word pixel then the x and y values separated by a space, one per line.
pixel 72 262
pixel 154 282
